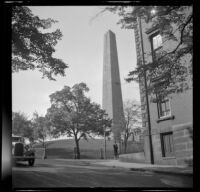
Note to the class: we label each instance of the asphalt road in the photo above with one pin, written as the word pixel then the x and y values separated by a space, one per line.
pixel 81 173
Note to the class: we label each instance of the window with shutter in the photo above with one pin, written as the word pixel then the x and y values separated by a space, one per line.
pixel 164 109
pixel 157 41
pixel 156 44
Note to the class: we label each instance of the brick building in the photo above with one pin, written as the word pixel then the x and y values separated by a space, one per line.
pixel 171 118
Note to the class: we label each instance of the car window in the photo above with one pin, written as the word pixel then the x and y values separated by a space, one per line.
pixel 16 139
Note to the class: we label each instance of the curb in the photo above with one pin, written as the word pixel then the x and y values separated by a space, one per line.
pixel 156 170
pixel 162 171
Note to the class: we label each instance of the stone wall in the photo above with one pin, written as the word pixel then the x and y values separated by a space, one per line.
pixel 183 146
pixel 183 143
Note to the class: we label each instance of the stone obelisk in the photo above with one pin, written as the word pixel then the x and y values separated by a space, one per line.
pixel 112 95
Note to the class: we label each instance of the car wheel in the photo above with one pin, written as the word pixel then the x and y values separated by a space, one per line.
pixel 31 162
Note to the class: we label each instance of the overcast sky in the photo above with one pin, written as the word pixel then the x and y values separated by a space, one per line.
pixel 81 48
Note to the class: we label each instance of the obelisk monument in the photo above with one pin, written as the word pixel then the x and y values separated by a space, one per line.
pixel 112 95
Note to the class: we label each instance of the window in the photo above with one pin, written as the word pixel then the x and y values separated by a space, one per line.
pixel 167 144
pixel 164 109
pixel 156 44
pixel 157 41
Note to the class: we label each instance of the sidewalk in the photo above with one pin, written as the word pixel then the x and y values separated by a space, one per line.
pixel 167 169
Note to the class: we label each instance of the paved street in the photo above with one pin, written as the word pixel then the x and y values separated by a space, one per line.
pixel 84 173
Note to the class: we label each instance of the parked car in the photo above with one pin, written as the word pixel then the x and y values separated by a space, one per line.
pixel 22 151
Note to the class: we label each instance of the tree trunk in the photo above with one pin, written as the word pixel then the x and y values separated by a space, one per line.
pixel 125 145
pixel 43 142
pixel 77 148
pixel 44 145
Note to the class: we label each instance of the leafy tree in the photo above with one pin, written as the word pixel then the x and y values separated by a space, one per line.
pixel 173 67
pixel 41 127
pixel 33 48
pixel 73 114
pixel 22 126
pixel 132 114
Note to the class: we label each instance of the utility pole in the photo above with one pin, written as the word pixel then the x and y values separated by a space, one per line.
pixel 104 144
pixel 146 93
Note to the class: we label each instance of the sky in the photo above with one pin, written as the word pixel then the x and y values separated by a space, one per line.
pixel 81 48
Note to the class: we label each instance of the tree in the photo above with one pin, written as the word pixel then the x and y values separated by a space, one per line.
pixel 33 48
pixel 172 67
pixel 41 127
pixel 73 114
pixel 132 114
pixel 41 130
pixel 21 125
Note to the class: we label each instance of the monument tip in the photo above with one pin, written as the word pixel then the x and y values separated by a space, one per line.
pixel 109 31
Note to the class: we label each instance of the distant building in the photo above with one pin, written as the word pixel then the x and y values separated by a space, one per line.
pixel 171 118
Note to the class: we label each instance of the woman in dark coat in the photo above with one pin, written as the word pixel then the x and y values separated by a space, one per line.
pixel 115 150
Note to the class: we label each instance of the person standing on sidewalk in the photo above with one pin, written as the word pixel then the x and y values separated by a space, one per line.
pixel 115 150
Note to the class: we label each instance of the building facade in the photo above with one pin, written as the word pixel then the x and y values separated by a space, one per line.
pixel 171 118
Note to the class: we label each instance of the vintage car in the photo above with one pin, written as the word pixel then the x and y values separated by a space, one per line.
pixel 22 151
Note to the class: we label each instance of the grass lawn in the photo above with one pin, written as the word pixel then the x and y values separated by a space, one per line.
pixel 91 149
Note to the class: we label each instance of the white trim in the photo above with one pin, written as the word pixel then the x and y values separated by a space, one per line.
pixel 156 39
